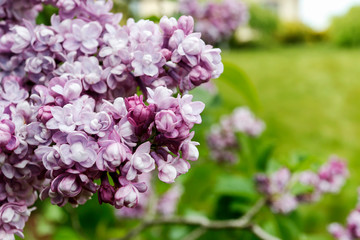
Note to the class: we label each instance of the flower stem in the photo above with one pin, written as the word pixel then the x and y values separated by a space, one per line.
pixel 204 224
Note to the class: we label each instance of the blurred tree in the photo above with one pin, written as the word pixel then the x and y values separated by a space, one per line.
pixel 263 20
pixel 345 30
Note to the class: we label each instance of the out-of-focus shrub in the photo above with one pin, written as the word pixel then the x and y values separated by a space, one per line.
pixel 345 30
pixel 261 29
pixel 296 32
pixel 318 36
pixel 263 20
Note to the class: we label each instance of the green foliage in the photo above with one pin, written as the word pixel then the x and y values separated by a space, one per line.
pixel 265 153
pixel 126 8
pixel 269 31
pixel 288 226
pixel 294 32
pixel 345 30
pixel 235 87
pixel 45 16
pixel 263 20
pixel 235 186
pixel 154 18
pixel 264 24
pixel 68 234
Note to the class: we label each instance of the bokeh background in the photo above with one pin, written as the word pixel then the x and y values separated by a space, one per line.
pixel 295 63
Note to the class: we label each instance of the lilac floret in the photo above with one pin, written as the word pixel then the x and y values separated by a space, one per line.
pixel 139 161
pixel 83 36
pixel 12 220
pixel 80 150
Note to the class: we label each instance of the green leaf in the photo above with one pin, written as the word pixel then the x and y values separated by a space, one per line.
pixel 154 18
pixel 231 207
pixel 264 157
pixel 299 188
pixel 300 162
pixel 45 15
pixel 54 213
pixel 67 233
pixel 288 226
pixel 43 227
pixel 234 85
pixel 178 232
pixel 235 186
pixel 201 94
pixel 273 166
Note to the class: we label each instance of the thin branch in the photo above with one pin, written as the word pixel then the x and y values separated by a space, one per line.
pixel 204 223
pixel 195 234
pixel 258 231
pixel 254 210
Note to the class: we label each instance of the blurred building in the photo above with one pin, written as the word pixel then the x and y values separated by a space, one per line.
pixel 148 8
pixel 287 10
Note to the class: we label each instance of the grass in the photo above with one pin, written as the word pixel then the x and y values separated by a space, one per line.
pixel 310 97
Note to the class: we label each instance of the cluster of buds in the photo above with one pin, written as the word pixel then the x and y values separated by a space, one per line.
pixel 222 140
pixel 217 21
pixel 86 99
pixel 284 190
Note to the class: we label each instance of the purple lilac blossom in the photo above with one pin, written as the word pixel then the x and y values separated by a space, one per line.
pixel 69 112
pixel 166 205
pixel 332 176
pixel 12 219
pixel 217 21
pixel 168 202
pixel 277 188
pixel 244 121
pixel 144 199
pixel 222 139
pixel 351 230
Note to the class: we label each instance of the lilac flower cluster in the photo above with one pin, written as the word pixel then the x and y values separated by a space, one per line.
pixel 166 205
pixel 284 191
pixel 20 170
pixel 216 21
pixel 69 112
pixel 352 229
pixel 222 139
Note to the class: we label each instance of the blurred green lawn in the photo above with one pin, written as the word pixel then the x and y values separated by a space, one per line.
pixel 310 99
pixel 309 95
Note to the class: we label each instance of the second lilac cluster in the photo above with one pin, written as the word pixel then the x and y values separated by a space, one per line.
pixel 216 21
pixel 284 191
pixel 351 231
pixel 222 138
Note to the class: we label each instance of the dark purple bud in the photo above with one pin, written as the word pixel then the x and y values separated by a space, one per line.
pixel 132 102
pixel 44 114
pixel 262 183
pixel 106 192
pixel 199 75
pixel 138 113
